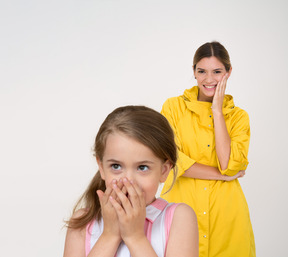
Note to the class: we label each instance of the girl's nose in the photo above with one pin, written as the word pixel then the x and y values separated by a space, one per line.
pixel 129 176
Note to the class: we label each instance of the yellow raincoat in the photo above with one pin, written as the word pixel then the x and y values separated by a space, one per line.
pixel 223 217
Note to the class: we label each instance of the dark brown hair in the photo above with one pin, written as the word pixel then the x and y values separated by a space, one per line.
pixel 212 49
pixel 140 123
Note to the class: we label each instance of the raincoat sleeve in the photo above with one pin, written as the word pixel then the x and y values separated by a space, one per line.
pixel 240 136
pixel 170 111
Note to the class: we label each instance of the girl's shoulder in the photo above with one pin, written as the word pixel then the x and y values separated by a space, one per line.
pixel 183 210
pixel 184 222
pixel 75 237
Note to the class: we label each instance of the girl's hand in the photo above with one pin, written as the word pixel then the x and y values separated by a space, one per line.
pixel 240 174
pixel 131 212
pixel 110 219
pixel 218 98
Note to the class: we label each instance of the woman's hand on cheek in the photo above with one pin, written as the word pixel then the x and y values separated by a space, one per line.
pixel 219 95
pixel 131 212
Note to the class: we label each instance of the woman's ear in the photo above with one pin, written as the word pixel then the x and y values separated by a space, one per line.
pixel 229 72
pixel 166 167
pixel 100 166
pixel 194 72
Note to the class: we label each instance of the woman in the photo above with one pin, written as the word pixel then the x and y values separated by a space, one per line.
pixel 213 138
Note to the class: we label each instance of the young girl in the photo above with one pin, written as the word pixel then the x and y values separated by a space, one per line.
pixel 135 151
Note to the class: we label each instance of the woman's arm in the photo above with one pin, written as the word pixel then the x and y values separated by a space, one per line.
pixel 184 222
pixel 222 138
pixel 201 171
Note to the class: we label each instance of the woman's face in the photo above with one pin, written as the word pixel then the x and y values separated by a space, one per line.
pixel 125 157
pixel 208 72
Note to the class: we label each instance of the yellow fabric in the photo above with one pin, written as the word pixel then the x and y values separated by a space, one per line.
pixel 223 217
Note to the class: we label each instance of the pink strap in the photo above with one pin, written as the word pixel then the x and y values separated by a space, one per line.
pixel 168 221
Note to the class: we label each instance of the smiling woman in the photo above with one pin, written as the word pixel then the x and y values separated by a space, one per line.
pixel 212 138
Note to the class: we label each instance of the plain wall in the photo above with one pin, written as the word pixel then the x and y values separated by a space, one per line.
pixel 66 64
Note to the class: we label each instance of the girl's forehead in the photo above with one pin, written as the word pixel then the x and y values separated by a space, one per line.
pixel 121 146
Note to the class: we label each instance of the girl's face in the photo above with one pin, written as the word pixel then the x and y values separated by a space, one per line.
pixel 126 157
pixel 208 72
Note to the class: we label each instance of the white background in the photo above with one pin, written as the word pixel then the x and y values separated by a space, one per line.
pixel 66 64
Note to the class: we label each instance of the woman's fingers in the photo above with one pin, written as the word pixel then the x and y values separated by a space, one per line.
pixel 222 84
pixel 241 173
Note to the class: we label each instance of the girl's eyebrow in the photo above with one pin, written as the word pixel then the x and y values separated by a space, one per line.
pixel 140 162
pixel 145 161
pixel 113 160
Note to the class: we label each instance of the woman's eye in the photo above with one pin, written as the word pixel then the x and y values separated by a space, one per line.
pixel 116 166
pixel 217 71
pixel 143 168
pixel 201 71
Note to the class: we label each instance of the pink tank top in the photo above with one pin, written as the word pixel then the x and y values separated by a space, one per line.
pixel 159 215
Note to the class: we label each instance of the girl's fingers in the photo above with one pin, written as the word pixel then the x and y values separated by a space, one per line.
pixel 103 197
pixel 123 198
pixel 140 193
pixel 113 194
pixel 118 208
pixel 134 197
pixel 121 186
pixel 124 190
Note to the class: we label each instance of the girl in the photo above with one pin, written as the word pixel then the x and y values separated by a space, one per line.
pixel 213 139
pixel 135 151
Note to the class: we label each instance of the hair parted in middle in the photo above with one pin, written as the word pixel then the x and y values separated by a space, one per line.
pixel 140 123
pixel 210 49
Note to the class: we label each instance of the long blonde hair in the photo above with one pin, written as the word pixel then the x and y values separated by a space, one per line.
pixel 140 123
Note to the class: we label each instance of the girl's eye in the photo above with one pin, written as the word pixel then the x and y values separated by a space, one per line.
pixel 143 168
pixel 116 166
